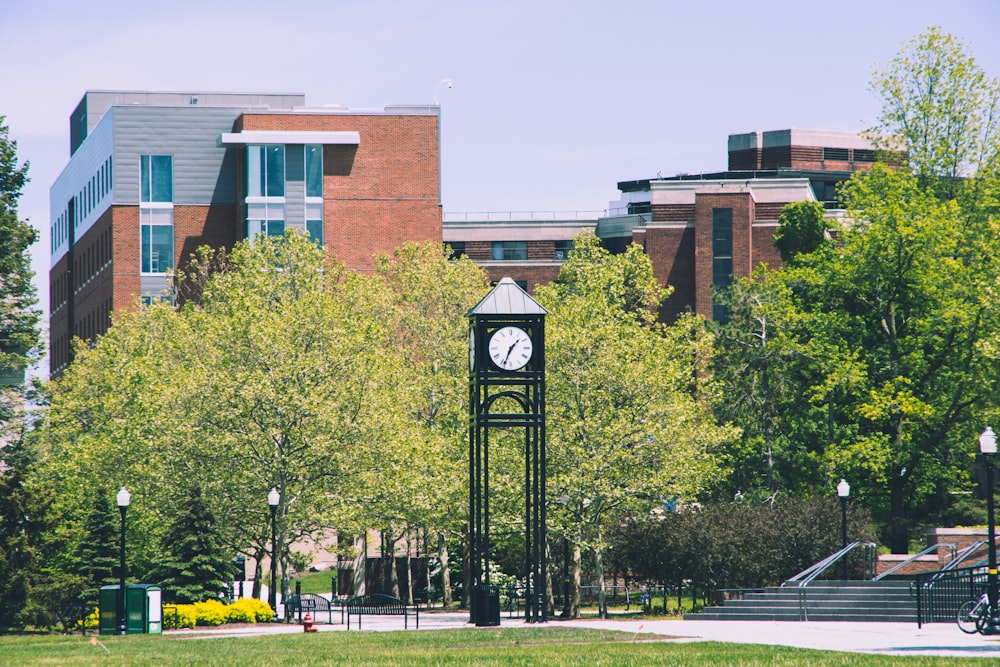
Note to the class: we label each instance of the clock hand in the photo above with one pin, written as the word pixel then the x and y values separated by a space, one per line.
pixel 509 350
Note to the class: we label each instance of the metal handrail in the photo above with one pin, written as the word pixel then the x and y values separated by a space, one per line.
pixel 933 547
pixel 810 573
pixel 963 554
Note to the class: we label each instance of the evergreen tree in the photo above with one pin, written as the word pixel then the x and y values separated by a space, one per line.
pixel 16 535
pixel 97 556
pixel 195 565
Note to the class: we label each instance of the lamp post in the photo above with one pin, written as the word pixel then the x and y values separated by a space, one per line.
pixel 988 448
pixel 843 491
pixel 273 498
pixel 123 498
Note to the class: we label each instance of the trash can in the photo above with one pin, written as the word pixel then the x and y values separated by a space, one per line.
pixel 144 609
pixel 487 605
pixel 110 610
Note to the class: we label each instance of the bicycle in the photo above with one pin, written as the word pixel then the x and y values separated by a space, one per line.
pixel 973 615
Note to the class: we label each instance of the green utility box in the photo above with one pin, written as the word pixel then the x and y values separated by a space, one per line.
pixel 144 609
pixel 110 611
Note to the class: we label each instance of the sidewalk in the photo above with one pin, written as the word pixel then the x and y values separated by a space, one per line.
pixel 935 639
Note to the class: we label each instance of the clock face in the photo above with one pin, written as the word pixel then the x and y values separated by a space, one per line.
pixel 472 349
pixel 510 348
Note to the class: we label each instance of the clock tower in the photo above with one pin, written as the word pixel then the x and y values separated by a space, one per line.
pixel 507 391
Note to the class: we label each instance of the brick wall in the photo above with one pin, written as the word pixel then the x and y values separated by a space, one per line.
pixel 742 206
pixel 532 274
pixel 381 193
pixel 671 252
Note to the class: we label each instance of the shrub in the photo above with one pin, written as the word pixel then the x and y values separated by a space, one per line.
pixel 249 610
pixel 186 617
pixel 210 612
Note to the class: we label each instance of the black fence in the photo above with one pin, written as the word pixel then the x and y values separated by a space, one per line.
pixel 940 594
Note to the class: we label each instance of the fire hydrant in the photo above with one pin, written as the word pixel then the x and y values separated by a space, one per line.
pixel 307 624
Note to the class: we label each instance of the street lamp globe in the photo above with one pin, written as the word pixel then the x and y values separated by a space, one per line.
pixel 273 498
pixel 843 489
pixel 988 441
pixel 123 497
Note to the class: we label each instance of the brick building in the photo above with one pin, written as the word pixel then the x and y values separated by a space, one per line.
pixel 152 176
pixel 699 230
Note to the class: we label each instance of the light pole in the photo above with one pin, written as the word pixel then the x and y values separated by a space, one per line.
pixel 273 498
pixel 988 449
pixel 123 498
pixel 843 491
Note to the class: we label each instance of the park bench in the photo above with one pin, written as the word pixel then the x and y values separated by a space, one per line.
pixel 378 605
pixel 310 603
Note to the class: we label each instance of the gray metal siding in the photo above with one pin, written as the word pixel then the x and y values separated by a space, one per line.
pixel 204 171
pixel 295 203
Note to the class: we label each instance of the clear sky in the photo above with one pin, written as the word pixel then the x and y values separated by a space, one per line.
pixel 553 102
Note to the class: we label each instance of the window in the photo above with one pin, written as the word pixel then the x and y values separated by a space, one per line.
pixel 838 154
pixel 314 171
pixel 156 213
pixel 157 178
pixel 864 155
pixel 510 250
pixel 457 249
pixel 265 171
pixel 722 257
pixel 157 238
pixel 265 227
pixel 562 250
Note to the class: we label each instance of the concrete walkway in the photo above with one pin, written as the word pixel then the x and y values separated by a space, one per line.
pixel 936 639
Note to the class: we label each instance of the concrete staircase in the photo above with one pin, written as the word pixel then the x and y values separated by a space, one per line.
pixel 881 601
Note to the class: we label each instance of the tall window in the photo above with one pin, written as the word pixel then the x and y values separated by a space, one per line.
pixel 157 178
pixel 265 190
pixel 722 256
pixel 265 171
pixel 314 192
pixel 156 213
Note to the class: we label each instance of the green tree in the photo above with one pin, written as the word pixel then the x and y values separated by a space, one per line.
pixel 939 107
pixel 97 557
pixel 624 430
pixel 801 229
pixel 195 565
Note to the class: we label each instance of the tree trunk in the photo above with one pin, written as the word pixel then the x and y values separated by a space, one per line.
pixel 602 602
pixel 445 574
pixel 466 572
pixel 549 600
pixel 409 569
pixel 258 571
pixel 574 610
pixel 389 556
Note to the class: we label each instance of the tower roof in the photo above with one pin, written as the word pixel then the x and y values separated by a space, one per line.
pixel 507 298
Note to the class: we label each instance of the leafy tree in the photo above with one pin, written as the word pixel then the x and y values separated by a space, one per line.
pixel 801 229
pixel 941 108
pixel 19 331
pixel 624 430
pixel 196 564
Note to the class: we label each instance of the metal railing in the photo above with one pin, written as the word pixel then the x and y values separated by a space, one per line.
pixel 520 216
pixel 940 594
pixel 933 547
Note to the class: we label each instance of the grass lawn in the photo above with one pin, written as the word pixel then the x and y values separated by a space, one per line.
pixel 484 646
pixel 315 582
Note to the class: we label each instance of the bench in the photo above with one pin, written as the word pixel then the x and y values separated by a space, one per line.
pixel 312 604
pixel 378 605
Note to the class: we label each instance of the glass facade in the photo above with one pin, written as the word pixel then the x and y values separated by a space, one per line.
pixel 274 173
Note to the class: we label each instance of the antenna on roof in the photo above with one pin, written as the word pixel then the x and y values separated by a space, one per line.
pixel 442 82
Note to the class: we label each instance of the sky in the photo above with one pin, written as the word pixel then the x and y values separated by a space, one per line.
pixel 552 103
